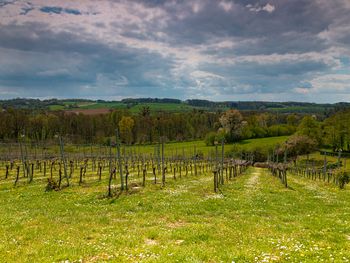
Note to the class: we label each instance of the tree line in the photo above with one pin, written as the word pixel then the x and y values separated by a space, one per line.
pixel 148 127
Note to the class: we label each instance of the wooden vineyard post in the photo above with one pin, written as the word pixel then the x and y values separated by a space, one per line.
pixel 44 168
pixel 285 169
pixel 112 171
pixel 158 157
pixel 63 159
pixel 119 160
pixel 22 156
pixel 195 161
pixel 7 171
pixel 154 174
pixel 17 175
pixel 81 175
pixel 126 177
pixel 324 167
pixel 222 161
pixel 99 171
pixel 31 173
pixel 60 177
pixel 110 181
pixel 215 173
pixel 144 177
pixel 163 166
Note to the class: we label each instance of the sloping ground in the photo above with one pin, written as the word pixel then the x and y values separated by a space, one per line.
pixel 254 219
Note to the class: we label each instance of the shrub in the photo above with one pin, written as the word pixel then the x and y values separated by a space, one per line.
pixel 210 138
pixel 51 185
pixel 298 145
pixel 344 178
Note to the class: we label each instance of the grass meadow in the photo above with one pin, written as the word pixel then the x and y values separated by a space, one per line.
pixel 253 219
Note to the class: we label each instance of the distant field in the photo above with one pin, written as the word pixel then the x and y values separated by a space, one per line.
pixel 154 107
pixel 170 107
pixel 100 105
pixel 298 109
pixel 56 107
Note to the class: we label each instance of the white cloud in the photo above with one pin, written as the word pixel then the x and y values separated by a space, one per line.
pixel 331 83
pixel 267 8
pixel 227 6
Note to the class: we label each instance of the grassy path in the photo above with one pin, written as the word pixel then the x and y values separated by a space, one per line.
pixel 255 219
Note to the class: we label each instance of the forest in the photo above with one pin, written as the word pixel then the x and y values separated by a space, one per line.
pixel 147 127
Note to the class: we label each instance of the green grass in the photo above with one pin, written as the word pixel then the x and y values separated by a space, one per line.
pixel 56 107
pixel 186 148
pixel 262 142
pixel 172 107
pixel 254 219
pixel 100 105
pixel 154 107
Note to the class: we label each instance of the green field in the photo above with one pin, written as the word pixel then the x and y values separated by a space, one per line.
pixel 100 105
pixel 154 107
pixel 253 219
pixel 56 107
pixel 171 148
pixel 173 107
pixel 136 108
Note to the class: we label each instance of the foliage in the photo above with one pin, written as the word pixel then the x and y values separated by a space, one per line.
pixel 213 137
pixel 311 128
pixel 232 123
pixel 126 124
pixel 52 184
pixel 344 178
pixel 337 131
pixel 298 145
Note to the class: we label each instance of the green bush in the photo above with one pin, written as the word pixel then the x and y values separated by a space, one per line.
pixel 213 137
pixel 344 178
pixel 51 185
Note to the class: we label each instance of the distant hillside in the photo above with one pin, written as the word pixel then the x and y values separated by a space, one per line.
pixel 171 105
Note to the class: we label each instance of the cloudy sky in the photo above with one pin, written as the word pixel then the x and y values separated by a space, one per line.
pixel 278 50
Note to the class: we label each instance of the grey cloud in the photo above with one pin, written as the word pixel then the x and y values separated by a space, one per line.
pixel 37 58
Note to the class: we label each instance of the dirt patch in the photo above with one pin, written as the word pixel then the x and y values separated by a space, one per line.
pixel 179 242
pixel 151 242
pixel 176 224
pixel 253 181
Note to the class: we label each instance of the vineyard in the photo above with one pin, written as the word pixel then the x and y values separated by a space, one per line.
pixel 168 203
pixel 24 162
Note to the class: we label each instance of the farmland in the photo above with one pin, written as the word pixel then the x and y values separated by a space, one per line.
pixel 196 186
pixel 251 218
pixel 170 105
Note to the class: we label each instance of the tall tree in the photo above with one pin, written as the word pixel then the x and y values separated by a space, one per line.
pixel 232 122
pixel 126 124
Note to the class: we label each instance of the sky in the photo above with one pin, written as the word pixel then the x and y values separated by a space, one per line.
pixel 273 50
